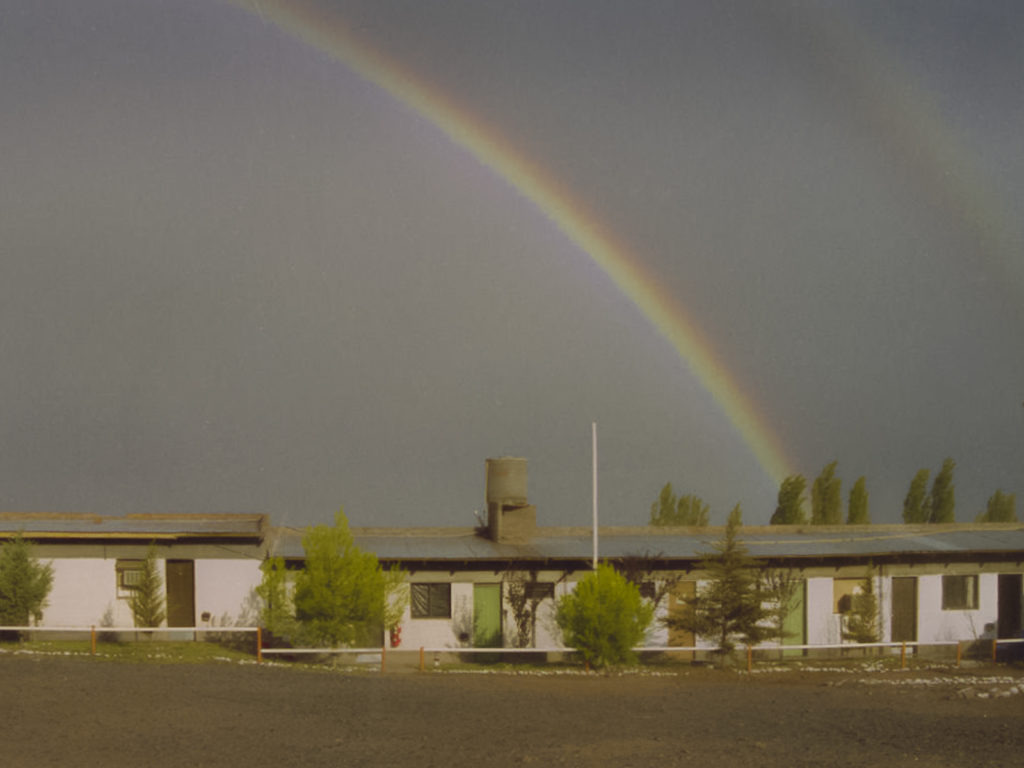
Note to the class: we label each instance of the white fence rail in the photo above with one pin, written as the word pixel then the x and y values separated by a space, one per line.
pixel 97 634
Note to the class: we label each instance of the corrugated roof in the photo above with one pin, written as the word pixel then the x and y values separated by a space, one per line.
pixel 75 525
pixel 464 544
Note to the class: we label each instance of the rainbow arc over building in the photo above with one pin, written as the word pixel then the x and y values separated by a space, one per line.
pixel 326 31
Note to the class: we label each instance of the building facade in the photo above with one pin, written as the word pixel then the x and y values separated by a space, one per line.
pixel 497 585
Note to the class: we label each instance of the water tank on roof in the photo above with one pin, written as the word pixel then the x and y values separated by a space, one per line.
pixel 506 481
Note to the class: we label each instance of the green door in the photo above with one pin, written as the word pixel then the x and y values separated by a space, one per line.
pixel 487 615
pixel 795 625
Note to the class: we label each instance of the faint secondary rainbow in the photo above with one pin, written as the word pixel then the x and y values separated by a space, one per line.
pixel 905 118
pixel 326 32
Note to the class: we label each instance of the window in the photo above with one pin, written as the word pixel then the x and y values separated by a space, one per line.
pixel 648 589
pixel 539 590
pixel 843 591
pixel 431 601
pixel 129 575
pixel 959 593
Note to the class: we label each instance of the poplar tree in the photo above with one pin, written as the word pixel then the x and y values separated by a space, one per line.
pixel 1001 508
pixel 689 510
pixel 826 497
pixel 915 508
pixel 942 498
pixel 790 509
pixel 857 509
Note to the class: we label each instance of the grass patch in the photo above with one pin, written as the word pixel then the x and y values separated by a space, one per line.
pixel 144 651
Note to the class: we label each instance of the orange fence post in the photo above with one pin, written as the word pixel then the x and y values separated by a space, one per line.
pixel 92 639
pixel 421 658
pixel 993 649
pixel 259 645
pixel 958 653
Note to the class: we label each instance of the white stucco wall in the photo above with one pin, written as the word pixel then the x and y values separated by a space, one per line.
pixel 224 589
pixel 457 632
pixel 937 625
pixel 441 633
pixel 83 590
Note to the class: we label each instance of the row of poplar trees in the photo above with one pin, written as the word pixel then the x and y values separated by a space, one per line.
pixel 921 505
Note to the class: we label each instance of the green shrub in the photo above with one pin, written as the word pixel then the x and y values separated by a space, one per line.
pixel 342 595
pixel 147 600
pixel 24 583
pixel 604 617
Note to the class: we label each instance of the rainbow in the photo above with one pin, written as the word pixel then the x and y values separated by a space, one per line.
pixel 906 120
pixel 326 32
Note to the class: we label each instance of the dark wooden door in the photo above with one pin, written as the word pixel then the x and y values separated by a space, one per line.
pixel 1009 604
pixel 181 593
pixel 904 609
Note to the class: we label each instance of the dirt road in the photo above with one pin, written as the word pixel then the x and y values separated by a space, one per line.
pixel 60 711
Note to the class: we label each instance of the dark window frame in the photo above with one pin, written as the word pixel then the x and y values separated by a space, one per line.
pixel 960 592
pixel 539 590
pixel 430 600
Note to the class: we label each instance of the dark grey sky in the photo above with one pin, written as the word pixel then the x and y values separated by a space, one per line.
pixel 236 276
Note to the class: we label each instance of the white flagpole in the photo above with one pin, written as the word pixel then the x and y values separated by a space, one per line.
pixel 593 440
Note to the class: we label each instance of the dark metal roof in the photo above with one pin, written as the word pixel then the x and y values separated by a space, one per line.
pixel 467 545
pixel 550 544
pixel 47 525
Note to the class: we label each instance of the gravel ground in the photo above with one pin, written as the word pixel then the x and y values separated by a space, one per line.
pixel 71 711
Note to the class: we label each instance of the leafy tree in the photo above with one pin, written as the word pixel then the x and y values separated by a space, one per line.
pixel 857 508
pixel 147 600
pixel 341 595
pixel 826 501
pixel 639 570
pixel 604 617
pixel 861 623
pixel 687 510
pixel 942 498
pixel 277 613
pixel 790 510
pixel 24 583
pixel 779 587
pixel 729 604
pixel 1001 508
pixel 396 596
pixel 523 601
pixel 915 505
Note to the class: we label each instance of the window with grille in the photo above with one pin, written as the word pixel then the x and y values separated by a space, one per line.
pixel 129 576
pixel 431 601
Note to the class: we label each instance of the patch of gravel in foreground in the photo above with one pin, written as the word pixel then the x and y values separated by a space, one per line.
pixel 993 686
